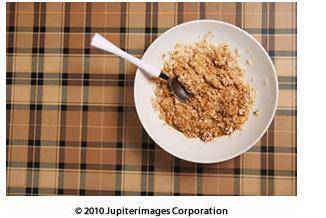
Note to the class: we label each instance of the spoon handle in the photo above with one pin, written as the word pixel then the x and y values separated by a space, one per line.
pixel 102 43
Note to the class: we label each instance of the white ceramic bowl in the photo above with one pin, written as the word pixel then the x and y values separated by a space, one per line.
pixel 264 82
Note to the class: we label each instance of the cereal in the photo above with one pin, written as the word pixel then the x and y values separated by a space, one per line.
pixel 220 100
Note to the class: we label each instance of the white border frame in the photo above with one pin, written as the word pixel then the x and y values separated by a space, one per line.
pixel 311 146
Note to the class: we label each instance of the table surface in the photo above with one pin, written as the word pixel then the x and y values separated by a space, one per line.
pixel 72 128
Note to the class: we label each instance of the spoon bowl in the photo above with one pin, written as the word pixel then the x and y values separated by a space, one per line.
pixel 177 89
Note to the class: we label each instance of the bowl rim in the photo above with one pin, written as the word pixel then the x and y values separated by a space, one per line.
pixel 269 61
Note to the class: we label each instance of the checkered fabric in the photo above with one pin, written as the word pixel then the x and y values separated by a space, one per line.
pixel 72 128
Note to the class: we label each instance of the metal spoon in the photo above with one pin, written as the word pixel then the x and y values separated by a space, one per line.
pixel 175 86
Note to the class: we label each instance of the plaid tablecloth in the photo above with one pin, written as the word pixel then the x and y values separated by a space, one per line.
pixel 72 128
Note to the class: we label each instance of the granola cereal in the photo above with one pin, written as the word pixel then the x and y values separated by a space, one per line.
pixel 220 100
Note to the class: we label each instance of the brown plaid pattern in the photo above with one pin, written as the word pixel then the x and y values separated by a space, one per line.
pixel 72 128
